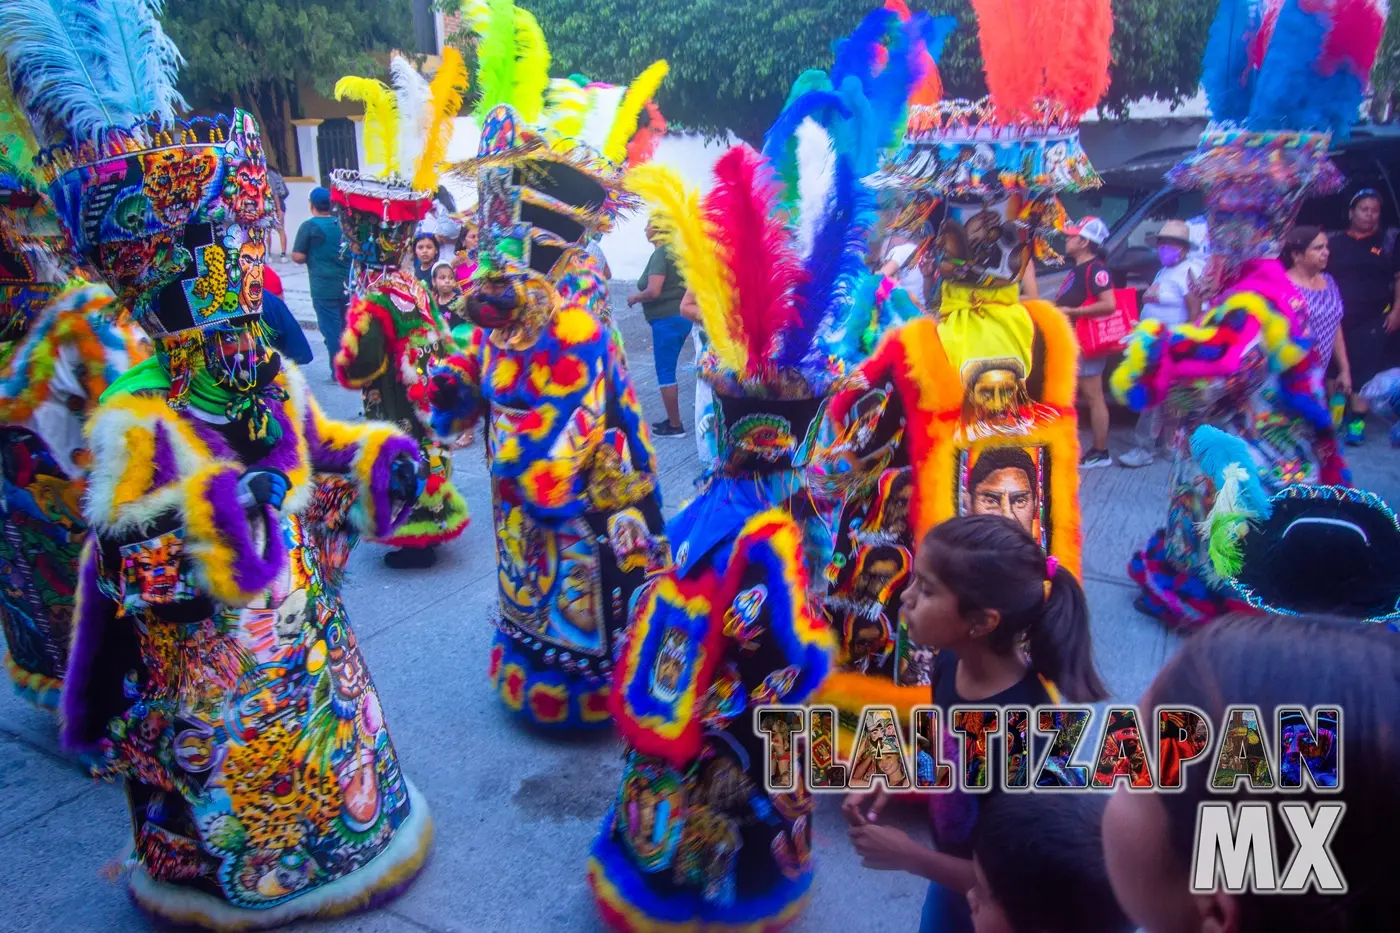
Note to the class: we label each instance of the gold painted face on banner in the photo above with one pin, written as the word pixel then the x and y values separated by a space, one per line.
pixel 995 393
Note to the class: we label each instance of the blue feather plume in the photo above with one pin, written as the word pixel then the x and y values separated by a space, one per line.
pixel 823 106
pixel 1215 451
pixel 144 60
pixel 1290 93
pixel 835 263
pixel 1226 76
pixel 935 31
pixel 859 313
pixel 81 66
pixel 855 55
pixel 888 92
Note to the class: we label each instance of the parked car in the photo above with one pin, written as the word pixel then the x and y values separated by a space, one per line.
pixel 1136 200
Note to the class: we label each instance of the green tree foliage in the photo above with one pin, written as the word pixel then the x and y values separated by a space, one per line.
pixel 257 53
pixel 732 61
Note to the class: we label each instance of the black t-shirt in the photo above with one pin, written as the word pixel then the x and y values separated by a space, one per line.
pixel 953 814
pixel 1084 280
pixel 1365 272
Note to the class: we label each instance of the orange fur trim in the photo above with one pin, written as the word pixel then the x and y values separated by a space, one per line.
pixel 850 692
pixel 1060 367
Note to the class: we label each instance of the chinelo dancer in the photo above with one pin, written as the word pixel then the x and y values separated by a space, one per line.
pixel 60 348
pixel 774 257
pixel 577 506
pixel 1305 550
pixel 1282 82
pixel 392 330
pixel 213 668
pixel 972 411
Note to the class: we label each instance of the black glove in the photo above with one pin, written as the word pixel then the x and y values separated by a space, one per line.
pixel 407 477
pixel 444 393
pixel 263 487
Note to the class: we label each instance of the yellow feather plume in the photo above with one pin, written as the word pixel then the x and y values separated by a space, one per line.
pixel 680 224
pixel 445 102
pixel 568 106
pixel 477 13
pixel 531 67
pixel 625 123
pixel 381 121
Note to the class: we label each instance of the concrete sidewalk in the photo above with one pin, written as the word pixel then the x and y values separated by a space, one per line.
pixel 515 813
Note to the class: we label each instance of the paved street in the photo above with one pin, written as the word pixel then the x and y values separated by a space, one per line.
pixel 514 812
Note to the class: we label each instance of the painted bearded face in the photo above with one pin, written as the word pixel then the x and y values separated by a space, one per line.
pixel 995 393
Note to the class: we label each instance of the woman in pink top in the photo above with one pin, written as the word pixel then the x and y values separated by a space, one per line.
pixel 466 253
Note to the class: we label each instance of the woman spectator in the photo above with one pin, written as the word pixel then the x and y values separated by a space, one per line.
pixel 902 264
pixel 1305 256
pixel 1088 292
pixel 1365 272
pixel 465 262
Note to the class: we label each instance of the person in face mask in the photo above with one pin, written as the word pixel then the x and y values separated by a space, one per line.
pixel 1171 300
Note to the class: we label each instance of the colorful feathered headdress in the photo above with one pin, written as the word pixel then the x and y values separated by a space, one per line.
pixel 1283 79
pixel 408 128
pixel 774 254
pixel 1011 153
pixel 550 165
pixel 172 213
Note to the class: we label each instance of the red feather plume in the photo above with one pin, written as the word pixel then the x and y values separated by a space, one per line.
pixel 756 248
pixel 1076 69
pixel 643 145
pixel 1014 67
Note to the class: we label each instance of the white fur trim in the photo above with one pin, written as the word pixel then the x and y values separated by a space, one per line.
pixel 402 859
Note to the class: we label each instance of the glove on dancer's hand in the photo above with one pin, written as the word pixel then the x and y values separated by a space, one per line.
pixel 444 392
pixel 407 477
pixel 263 487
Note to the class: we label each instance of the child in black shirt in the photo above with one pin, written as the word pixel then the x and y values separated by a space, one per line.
pixel 1011 628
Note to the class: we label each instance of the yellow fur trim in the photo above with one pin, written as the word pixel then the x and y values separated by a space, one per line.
pixel 216 556
pixel 1060 368
pixel 140 467
pixel 356 327
pixel 372 440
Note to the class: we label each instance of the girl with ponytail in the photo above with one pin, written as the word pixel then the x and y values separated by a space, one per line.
pixel 1012 629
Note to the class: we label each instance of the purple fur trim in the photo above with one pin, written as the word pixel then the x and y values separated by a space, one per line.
pixel 378 491
pixel 284 456
pixel 95 612
pixel 324 457
pixel 252 572
pixel 166 469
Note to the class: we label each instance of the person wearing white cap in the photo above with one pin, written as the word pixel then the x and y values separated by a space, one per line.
pixel 1088 292
pixel 1170 299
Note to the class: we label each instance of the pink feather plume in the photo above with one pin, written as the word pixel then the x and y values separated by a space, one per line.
pixel 756 248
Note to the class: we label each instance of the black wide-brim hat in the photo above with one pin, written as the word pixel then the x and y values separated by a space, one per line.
pixel 1326 550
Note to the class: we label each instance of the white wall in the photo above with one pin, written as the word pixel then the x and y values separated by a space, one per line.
pixel 626 247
